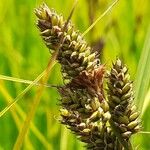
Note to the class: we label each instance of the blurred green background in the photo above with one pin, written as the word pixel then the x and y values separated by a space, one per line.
pixel 124 32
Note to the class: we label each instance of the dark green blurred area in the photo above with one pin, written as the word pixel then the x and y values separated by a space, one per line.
pixel 121 33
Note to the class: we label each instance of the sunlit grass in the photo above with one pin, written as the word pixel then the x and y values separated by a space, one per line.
pixel 23 55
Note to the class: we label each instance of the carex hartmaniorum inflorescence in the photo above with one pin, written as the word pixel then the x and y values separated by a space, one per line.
pixel 86 109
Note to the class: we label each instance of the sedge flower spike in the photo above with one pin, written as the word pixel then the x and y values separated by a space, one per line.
pixel 85 108
pixel 74 54
pixel 120 99
pixel 86 112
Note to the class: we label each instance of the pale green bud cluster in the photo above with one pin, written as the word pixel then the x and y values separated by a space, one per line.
pixel 120 99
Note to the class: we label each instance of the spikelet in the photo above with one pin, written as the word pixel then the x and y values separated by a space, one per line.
pixel 74 54
pixel 84 109
pixel 86 112
pixel 120 98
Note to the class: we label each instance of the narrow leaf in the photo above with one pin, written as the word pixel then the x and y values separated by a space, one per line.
pixel 143 73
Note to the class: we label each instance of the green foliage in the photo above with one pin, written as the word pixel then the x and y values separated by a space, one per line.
pixel 122 33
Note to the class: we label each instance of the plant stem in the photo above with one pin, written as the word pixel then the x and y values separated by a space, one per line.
pixel 99 18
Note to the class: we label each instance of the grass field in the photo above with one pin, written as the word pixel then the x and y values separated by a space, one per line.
pixel 124 32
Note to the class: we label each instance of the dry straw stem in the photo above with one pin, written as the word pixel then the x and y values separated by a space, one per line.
pixel 52 20
pixel 40 90
pixel 37 100
pixel 35 104
pixel 14 114
pixel 13 79
pixel 22 94
pixel 17 110
pixel 39 77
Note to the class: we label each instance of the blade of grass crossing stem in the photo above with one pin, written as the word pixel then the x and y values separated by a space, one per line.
pixel 143 74
pixel 7 98
pixel 34 129
pixel 146 103
pixel 99 18
pixel 22 94
pixel 13 79
pixel 29 117
pixel 15 116
pixel 64 139
pixel 144 132
pixel 36 101
pixel 36 80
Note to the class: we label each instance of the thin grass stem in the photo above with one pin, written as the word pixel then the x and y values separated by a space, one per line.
pixel 13 79
pixel 40 90
pixel 99 18
pixel 15 116
pixel 22 94
pixel 144 132
pixel 18 109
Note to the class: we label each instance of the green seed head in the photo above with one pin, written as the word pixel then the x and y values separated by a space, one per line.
pixel 84 109
pixel 86 112
pixel 74 55
pixel 120 100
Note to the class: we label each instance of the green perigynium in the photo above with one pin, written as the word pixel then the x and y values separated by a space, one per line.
pixel 120 99
pixel 74 53
pixel 86 109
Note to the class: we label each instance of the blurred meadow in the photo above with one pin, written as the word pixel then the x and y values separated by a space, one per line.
pixel 124 32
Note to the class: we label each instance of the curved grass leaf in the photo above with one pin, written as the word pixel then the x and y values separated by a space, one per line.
pixel 18 110
pixel 143 74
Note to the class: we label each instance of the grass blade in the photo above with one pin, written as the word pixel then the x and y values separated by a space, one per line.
pixel 64 139
pixel 13 79
pixel 40 90
pixel 144 132
pixel 143 74
pixel 18 109
pixel 15 116
pixel 99 18
pixel 146 102
pixel 35 104
pixel 22 94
